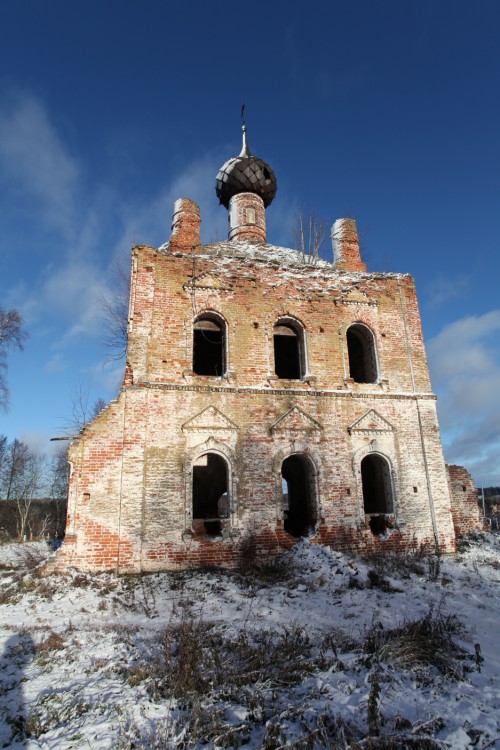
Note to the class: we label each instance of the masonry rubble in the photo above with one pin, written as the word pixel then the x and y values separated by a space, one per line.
pixel 265 397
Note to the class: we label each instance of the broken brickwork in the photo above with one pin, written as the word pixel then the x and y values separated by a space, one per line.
pixel 465 509
pixel 265 396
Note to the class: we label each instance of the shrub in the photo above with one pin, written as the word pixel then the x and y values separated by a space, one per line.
pixel 419 644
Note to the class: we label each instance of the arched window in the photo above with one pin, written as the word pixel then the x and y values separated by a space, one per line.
pixel 298 495
pixel 361 351
pixel 377 485
pixel 210 492
pixel 209 346
pixel 289 354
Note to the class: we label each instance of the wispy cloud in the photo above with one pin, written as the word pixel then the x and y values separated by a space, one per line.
pixel 35 160
pixel 464 360
pixel 39 166
pixel 56 363
pixel 150 221
pixel 105 375
pixel 442 290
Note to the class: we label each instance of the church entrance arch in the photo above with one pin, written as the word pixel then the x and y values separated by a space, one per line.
pixel 299 495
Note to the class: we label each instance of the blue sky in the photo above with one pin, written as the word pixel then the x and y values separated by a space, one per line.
pixel 387 112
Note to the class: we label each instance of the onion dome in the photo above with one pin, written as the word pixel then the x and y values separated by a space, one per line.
pixel 245 174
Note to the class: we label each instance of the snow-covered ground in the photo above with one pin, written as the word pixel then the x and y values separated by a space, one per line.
pixel 316 651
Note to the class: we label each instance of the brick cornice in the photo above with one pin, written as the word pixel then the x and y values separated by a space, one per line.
pixel 330 393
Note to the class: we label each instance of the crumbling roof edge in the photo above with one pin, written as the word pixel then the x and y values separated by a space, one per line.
pixel 275 255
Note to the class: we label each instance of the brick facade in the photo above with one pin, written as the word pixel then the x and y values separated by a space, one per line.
pixel 267 439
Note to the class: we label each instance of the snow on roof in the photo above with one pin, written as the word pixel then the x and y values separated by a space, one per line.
pixel 286 258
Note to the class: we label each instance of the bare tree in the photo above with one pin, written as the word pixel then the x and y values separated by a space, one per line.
pixel 26 489
pixel 14 466
pixel 11 335
pixel 83 409
pixel 22 480
pixel 115 308
pixel 308 232
pixel 58 476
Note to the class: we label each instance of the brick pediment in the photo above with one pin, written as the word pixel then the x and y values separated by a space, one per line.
pixel 209 419
pixel 295 420
pixel 355 296
pixel 208 280
pixel 371 422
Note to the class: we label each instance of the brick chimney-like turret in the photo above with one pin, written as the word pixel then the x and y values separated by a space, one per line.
pixel 346 246
pixel 185 225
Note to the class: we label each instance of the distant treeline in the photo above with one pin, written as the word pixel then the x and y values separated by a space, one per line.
pixel 33 491
pixel 47 518
pixel 490 492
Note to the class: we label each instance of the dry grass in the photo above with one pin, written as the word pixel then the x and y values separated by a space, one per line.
pixel 197 657
pixel 398 742
pixel 418 645
pixel 53 642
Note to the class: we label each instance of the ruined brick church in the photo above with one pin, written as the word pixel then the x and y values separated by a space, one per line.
pixel 268 397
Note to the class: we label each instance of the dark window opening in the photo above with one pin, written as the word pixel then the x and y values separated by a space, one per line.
pixel 377 488
pixel 379 525
pixel 210 492
pixel 209 353
pixel 287 352
pixel 298 495
pixel 361 352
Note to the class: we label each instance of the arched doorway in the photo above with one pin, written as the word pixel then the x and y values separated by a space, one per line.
pixel 377 489
pixel 298 495
pixel 210 492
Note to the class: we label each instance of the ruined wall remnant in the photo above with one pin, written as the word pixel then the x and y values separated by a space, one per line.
pixel 465 508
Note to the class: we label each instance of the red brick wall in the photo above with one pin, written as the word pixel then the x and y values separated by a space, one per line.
pixel 465 508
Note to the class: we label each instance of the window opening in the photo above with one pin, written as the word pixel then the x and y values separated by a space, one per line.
pixel 288 354
pixel 361 352
pixel 298 495
pixel 377 490
pixel 210 492
pixel 209 353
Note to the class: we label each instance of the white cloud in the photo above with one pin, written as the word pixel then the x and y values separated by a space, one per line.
pixel 75 292
pixel 38 442
pixel 56 363
pixel 36 161
pixel 442 290
pixel 38 166
pixel 464 359
pixel 150 222
pixel 105 375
